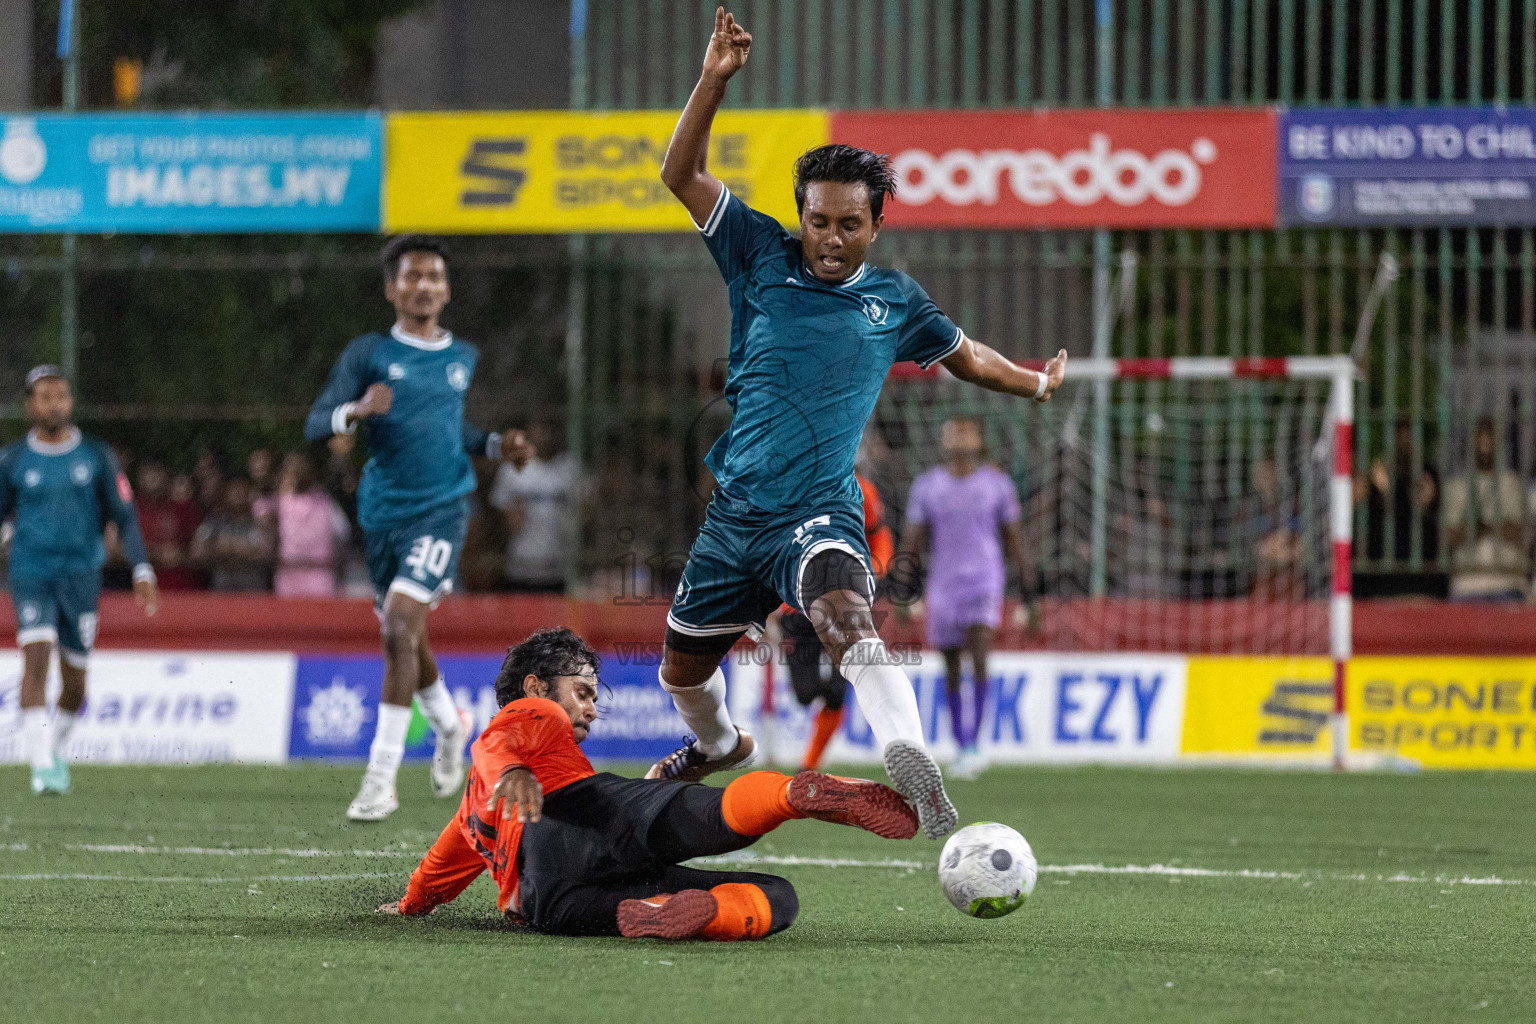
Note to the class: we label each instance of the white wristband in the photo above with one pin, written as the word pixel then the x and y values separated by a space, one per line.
pixel 1040 387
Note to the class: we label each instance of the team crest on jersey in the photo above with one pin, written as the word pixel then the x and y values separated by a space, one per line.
pixel 396 371
pixel 875 309
pixel 29 613
pixel 31 478
pixel 458 376
pixel 80 473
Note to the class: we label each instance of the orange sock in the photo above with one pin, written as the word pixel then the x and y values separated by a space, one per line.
pixel 744 911
pixel 827 722
pixel 757 803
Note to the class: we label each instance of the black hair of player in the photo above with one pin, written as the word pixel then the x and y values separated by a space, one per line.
pixel 396 248
pixel 846 165
pixel 548 654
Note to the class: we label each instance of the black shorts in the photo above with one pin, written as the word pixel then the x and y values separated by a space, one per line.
pixel 606 839
pixel 803 652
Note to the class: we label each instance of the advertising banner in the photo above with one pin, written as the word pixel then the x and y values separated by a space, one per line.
pixel 167 708
pixel 1445 712
pixel 192 172
pixel 1266 709
pixel 1062 708
pixel 1208 168
pixel 557 171
pixel 336 702
pixel 1403 168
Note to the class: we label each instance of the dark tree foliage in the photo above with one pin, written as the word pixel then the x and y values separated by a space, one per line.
pixel 222 53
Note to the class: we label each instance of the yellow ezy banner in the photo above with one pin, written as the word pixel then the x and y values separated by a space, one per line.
pixel 549 172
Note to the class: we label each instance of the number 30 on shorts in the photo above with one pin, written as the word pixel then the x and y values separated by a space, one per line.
pixel 429 557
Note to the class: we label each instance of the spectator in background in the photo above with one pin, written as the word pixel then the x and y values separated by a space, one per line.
pixel 1272 526
pixel 208 477
pixel 234 548
pixel 1394 493
pixel 168 524
pixel 312 532
pixel 1487 559
pixel 262 472
pixel 538 502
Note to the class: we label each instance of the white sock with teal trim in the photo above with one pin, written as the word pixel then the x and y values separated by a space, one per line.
pixel 34 732
pixel 885 694
pixel 389 740
pixel 704 711
pixel 63 725
pixel 438 708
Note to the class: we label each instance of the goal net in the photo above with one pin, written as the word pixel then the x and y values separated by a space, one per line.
pixel 1187 506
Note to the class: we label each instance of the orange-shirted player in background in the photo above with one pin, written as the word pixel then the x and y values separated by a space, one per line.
pixel 576 852
pixel 809 672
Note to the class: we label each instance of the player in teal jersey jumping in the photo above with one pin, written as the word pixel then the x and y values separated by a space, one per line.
pixel 63 487
pixel 814 332
pixel 408 387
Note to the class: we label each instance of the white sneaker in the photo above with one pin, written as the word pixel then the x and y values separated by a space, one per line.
pixel 915 776
pixel 448 758
pixel 375 801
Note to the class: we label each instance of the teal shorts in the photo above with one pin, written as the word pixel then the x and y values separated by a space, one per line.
pixel 745 562
pixel 420 557
pixel 58 611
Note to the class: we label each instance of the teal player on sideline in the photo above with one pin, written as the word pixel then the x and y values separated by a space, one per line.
pixel 408 387
pixel 63 487
pixel 814 332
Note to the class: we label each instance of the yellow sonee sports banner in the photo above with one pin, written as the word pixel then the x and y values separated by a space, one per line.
pixel 1440 712
pixel 549 172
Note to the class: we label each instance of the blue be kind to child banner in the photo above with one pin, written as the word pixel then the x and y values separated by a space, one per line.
pixel 190 173
pixel 1428 167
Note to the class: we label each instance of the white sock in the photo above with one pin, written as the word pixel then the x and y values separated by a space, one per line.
pixel 703 709
pixel 389 740
pixel 437 706
pixel 34 730
pixel 886 696
pixel 63 725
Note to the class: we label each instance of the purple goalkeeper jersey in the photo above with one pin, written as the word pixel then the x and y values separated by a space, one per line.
pixel 964 516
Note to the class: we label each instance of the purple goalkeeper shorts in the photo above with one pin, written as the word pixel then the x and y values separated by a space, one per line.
pixel 950 615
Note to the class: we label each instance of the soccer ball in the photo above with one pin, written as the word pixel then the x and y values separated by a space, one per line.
pixel 987 870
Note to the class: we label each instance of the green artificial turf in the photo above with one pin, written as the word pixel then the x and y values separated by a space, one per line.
pixel 153 931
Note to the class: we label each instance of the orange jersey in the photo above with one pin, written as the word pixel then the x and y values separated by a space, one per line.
pixel 876 533
pixel 533 733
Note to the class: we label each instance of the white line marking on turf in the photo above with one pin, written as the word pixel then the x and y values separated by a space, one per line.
pixel 739 857
pixel 67 877
pixel 221 851
pixel 1294 876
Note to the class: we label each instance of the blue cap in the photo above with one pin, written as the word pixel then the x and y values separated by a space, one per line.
pixel 43 372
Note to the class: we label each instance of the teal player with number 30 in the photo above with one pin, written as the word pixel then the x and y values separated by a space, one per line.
pixel 814 331
pixel 408 387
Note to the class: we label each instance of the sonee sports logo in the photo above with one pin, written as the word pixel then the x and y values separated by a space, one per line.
pixel 488 160
pixel 1082 177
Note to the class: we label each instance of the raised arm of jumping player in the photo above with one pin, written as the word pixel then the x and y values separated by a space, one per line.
pixel 684 169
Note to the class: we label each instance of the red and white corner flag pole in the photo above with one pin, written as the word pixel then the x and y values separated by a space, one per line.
pixel 1340 517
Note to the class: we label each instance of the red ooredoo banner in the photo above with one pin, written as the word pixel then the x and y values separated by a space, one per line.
pixel 1207 168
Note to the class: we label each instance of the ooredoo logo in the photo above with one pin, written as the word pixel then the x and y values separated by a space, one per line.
pixel 1037 177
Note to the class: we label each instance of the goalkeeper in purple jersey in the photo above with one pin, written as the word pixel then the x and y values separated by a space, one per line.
pixel 814 332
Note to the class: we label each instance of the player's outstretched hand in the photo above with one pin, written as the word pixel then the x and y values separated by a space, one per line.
pixel 729 46
pixel 519 793
pixel 1055 370
pixel 375 401
pixel 392 907
pixel 146 594
pixel 516 449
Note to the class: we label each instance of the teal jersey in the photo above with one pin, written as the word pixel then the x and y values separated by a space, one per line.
pixel 62 496
pixel 418 452
pixel 807 360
